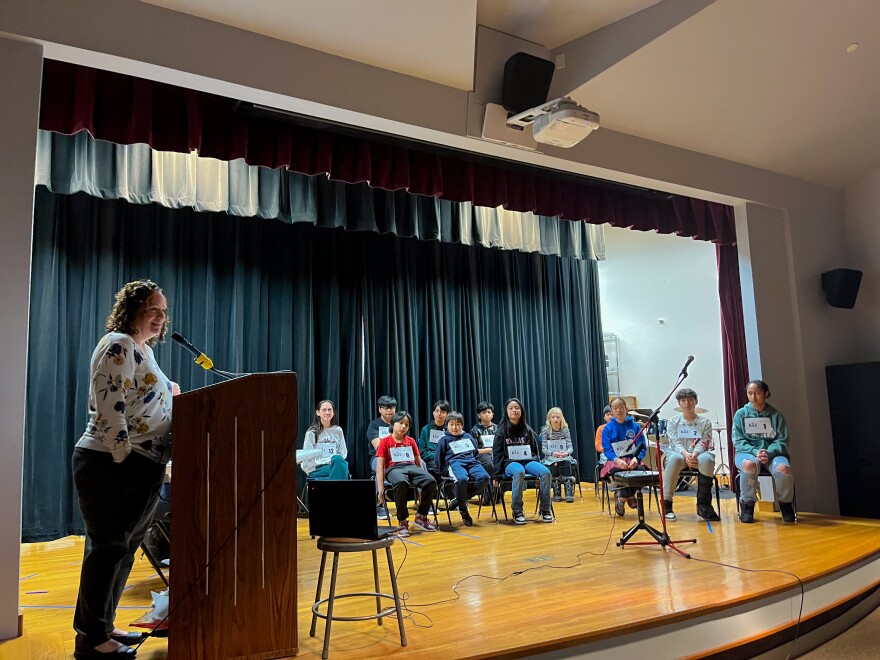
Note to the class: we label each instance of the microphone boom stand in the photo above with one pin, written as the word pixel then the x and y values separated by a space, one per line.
pixel 660 538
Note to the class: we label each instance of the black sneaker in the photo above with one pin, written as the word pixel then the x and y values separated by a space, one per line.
pixel 452 505
pixel 466 519
pixel 670 514
pixel 546 517
pixel 707 512
pixel 787 511
pixel 519 518
pixel 746 511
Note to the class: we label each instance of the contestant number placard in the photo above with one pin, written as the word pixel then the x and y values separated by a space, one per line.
pixel 488 440
pixel 519 452
pixel 759 426
pixel 461 446
pixel 556 446
pixel 435 436
pixel 402 455
pixel 328 450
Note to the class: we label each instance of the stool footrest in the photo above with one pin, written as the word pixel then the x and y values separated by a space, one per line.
pixel 362 594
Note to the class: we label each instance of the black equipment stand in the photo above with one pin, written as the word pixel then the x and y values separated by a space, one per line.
pixel 660 538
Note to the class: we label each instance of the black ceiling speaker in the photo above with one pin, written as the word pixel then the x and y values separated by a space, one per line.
pixel 526 82
pixel 841 287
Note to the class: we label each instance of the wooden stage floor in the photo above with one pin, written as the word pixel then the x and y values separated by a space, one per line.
pixel 520 590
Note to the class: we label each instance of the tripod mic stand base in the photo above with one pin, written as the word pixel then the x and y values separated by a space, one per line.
pixel 660 538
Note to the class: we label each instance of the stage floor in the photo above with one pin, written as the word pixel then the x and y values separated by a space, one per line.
pixel 520 590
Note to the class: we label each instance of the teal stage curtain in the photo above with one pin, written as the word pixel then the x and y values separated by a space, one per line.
pixel 355 314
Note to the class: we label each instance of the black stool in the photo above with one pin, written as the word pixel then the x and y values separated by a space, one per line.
pixel 336 546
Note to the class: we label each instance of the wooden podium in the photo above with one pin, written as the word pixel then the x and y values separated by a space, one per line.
pixel 233 591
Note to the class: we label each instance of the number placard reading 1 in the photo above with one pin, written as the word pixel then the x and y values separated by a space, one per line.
pixel 759 426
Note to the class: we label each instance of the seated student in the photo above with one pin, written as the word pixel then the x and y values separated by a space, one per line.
pixel 432 432
pixel 401 465
pixel 622 451
pixel 606 414
pixel 514 455
pixel 760 436
pixel 325 434
pixel 690 439
pixel 484 433
pixel 379 428
pixel 457 454
pixel 557 449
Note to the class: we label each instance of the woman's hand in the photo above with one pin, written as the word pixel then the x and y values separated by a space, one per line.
pixel 690 460
pixel 619 462
pixel 382 498
pixel 633 463
pixel 763 457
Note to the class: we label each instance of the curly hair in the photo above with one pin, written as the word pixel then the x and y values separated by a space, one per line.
pixel 129 301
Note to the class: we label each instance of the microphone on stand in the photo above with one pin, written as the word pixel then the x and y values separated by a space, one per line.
pixel 684 369
pixel 201 359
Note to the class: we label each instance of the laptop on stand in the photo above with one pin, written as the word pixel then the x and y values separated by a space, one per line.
pixel 345 509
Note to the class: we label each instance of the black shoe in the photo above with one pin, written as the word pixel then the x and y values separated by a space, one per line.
pixel 129 638
pixel 787 511
pixel 670 514
pixel 91 654
pixel 466 519
pixel 707 512
pixel 746 511
pixel 452 505
pixel 557 492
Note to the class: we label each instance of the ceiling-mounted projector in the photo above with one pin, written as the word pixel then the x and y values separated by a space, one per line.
pixel 561 122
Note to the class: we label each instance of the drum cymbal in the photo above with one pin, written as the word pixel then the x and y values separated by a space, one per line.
pixel 633 413
pixel 697 410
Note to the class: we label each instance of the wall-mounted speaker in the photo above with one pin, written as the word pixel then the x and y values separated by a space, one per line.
pixel 526 82
pixel 841 287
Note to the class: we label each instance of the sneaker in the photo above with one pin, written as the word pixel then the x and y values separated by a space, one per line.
pixel 404 528
pixel 707 512
pixel 381 513
pixel 466 519
pixel 746 511
pixel 620 506
pixel 453 504
pixel 787 511
pixel 670 514
pixel 519 518
pixel 546 517
pixel 424 523
pixel 632 501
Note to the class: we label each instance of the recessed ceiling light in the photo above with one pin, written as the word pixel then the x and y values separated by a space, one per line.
pixel 853 47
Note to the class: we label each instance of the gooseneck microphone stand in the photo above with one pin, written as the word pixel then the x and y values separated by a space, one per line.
pixel 660 538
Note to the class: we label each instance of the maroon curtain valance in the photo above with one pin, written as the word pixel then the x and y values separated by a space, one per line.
pixel 126 110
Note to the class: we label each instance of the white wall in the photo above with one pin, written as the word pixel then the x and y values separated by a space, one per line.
pixel 862 233
pixel 648 277
pixel 20 74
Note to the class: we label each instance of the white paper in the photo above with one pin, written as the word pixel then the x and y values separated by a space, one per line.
pixel 384 432
pixel 623 447
pixel 759 426
pixel 461 446
pixel 519 452
pixel 556 445
pixel 688 432
pixel 328 450
pixel 488 440
pixel 436 435
pixel 402 455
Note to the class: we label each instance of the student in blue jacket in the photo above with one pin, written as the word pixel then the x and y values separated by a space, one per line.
pixel 622 451
pixel 457 456
pixel 760 436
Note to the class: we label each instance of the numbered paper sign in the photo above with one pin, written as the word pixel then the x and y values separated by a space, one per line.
pixel 623 447
pixel 689 432
pixel 384 431
pixel 759 426
pixel 461 446
pixel 328 450
pixel 556 445
pixel 488 440
pixel 436 435
pixel 519 452
pixel 402 455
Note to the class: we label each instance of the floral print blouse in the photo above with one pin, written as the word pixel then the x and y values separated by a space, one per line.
pixel 129 402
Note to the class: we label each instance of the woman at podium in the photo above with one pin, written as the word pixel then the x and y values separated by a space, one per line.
pixel 119 462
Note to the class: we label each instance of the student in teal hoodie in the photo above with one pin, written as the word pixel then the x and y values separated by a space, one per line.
pixel 760 436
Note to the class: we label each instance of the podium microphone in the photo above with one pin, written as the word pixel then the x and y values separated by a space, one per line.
pixel 684 369
pixel 201 359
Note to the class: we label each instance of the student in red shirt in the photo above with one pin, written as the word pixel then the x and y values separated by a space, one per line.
pixel 399 462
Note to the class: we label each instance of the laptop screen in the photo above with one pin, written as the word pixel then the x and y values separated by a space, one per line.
pixel 345 508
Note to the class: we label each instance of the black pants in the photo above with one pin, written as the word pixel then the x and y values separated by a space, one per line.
pixel 117 503
pixel 401 478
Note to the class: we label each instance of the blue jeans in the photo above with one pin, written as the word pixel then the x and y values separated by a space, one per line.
pixel 466 488
pixel 517 472
pixel 674 463
pixel 336 469
pixel 748 481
